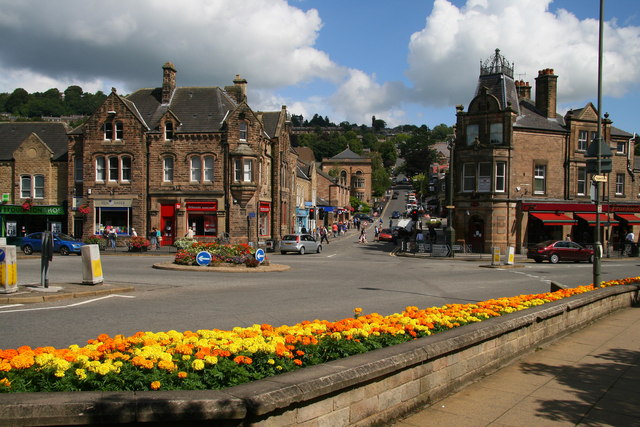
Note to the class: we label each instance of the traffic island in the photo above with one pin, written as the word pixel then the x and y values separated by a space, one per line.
pixel 230 268
pixel 33 294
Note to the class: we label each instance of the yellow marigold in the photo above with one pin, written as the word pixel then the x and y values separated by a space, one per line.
pixel 5 382
pixel 81 373
pixel 271 362
pixel 155 385
pixel 211 360
pixel 198 365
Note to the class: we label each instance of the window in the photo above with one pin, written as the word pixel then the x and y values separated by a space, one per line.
pixel 469 177
pixel 119 131
pixel 168 131
pixel 496 133
pixel 583 136
pixel 243 170
pixel 484 177
pixel 111 127
pixel 472 133
pixel 167 167
pixel 78 172
pixel 32 186
pixel 125 163
pixel 248 170
pixel 237 170
pixel 108 130
pixel 582 182
pixel 196 169
pixel 619 184
pixel 208 169
pixel 243 131
pixel 113 168
pixel 501 168
pixel 621 147
pixel 539 179
pixel 100 169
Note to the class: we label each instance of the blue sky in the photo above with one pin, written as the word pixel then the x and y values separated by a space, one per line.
pixel 404 61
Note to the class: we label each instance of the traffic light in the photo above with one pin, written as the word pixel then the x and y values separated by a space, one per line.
pixel 320 213
pixel 312 213
pixel 414 214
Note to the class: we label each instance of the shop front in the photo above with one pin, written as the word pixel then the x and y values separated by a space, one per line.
pixel 264 219
pixel 17 221
pixel 202 216
pixel 113 213
pixel 302 219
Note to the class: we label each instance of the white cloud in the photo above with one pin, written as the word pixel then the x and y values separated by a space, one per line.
pixel 445 56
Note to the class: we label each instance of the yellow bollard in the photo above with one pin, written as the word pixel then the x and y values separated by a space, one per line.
pixel 91 265
pixel 8 270
pixel 496 256
pixel 511 255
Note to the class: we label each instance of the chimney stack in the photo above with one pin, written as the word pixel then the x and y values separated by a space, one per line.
pixel 241 85
pixel 168 82
pixel 524 89
pixel 547 92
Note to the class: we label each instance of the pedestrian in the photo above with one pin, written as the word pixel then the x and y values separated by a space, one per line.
pixel 432 235
pixel 363 236
pixel 112 237
pixel 334 229
pixel 190 233
pixel 159 238
pixel 390 222
pixel 153 238
pixel 376 231
pixel 133 232
pixel 324 234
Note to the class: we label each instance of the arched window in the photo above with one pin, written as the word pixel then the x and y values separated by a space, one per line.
pixel 208 168
pixel 100 169
pixel 196 169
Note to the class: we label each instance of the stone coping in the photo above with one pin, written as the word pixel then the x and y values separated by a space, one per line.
pixel 254 403
pixel 170 265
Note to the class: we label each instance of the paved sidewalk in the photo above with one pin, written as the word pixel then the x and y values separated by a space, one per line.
pixel 589 378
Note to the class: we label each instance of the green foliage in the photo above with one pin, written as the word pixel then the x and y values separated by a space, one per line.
pixel 380 179
pixel 417 150
pixel 359 205
pixel 51 102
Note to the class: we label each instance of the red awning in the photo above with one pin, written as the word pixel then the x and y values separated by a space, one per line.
pixel 629 217
pixel 591 219
pixel 552 218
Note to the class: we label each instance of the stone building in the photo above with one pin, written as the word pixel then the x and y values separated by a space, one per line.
pixel 353 171
pixel 33 177
pixel 519 167
pixel 178 157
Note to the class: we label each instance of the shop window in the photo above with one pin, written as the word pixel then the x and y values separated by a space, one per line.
pixel 501 168
pixel 167 167
pixel 118 218
pixel 582 182
pixel 469 177
pixel 264 219
pixel 583 143
pixel 620 184
pixel 496 133
pixel 539 179
pixel 201 216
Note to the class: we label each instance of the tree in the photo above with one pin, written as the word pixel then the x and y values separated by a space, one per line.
pixel 387 150
pixel 378 124
pixel 417 152
pixel 380 180
pixel 17 101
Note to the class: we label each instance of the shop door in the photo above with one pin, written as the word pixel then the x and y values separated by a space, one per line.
pixel 167 224
pixel 476 234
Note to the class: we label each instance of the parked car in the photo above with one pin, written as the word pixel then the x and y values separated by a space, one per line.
pixel 385 235
pixel 395 215
pixel 61 243
pixel 299 242
pixel 560 250
pixel 363 217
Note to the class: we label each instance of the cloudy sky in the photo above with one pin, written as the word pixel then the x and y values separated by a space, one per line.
pixel 404 61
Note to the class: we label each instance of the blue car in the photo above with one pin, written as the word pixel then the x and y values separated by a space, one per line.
pixel 61 243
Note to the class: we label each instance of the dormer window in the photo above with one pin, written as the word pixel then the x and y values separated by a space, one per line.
pixel 168 131
pixel 243 131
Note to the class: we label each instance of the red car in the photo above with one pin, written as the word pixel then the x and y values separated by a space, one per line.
pixel 560 250
pixel 385 235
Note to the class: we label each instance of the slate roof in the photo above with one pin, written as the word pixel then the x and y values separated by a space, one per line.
pixel 12 134
pixel 199 109
pixel 270 122
pixel 531 118
pixel 502 87
pixel 347 154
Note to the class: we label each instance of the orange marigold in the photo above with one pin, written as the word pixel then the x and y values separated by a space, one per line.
pixel 155 385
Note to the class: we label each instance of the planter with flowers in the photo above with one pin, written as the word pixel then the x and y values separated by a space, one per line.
pixel 83 209
pixel 27 204
pixel 139 244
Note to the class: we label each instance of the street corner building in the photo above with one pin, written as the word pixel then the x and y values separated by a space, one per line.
pixel 521 171
pixel 179 157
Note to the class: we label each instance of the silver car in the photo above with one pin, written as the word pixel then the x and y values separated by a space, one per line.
pixel 300 243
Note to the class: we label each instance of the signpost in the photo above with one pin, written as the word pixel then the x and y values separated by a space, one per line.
pixel 203 258
pixel 259 255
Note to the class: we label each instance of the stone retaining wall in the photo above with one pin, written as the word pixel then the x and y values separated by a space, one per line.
pixel 362 390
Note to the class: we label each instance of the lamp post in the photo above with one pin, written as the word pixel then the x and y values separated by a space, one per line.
pixel 450 231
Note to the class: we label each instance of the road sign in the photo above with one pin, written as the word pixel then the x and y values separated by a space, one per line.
pixel 259 255
pixel 203 258
pixel 599 178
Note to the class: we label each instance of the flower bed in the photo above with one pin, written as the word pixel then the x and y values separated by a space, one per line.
pixel 214 359
pixel 221 254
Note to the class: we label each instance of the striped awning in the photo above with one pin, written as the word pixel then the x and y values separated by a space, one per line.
pixel 553 218
pixel 605 221
pixel 629 217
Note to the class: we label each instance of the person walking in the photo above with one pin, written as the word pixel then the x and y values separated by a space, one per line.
pixel 190 233
pixel 334 229
pixel 112 237
pixel 153 238
pixel 363 235
pixel 323 235
pixel 133 232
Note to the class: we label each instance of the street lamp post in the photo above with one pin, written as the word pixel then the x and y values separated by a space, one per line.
pixel 450 232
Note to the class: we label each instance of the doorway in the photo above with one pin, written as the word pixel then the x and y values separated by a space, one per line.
pixel 475 235
pixel 167 224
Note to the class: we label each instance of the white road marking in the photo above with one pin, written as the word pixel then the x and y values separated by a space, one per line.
pixel 10 306
pixel 330 256
pixel 64 306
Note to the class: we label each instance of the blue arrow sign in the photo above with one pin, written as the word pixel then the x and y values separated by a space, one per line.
pixel 203 258
pixel 259 255
pixel 1 255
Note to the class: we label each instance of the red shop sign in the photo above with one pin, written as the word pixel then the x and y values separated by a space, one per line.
pixel 265 207
pixel 202 206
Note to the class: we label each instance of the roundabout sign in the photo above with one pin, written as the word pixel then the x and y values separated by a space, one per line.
pixel 203 258
pixel 259 255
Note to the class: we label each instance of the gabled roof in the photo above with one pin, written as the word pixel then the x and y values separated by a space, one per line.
pixel 270 122
pixel 12 134
pixel 347 154
pixel 199 109
pixel 305 154
pixel 302 171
